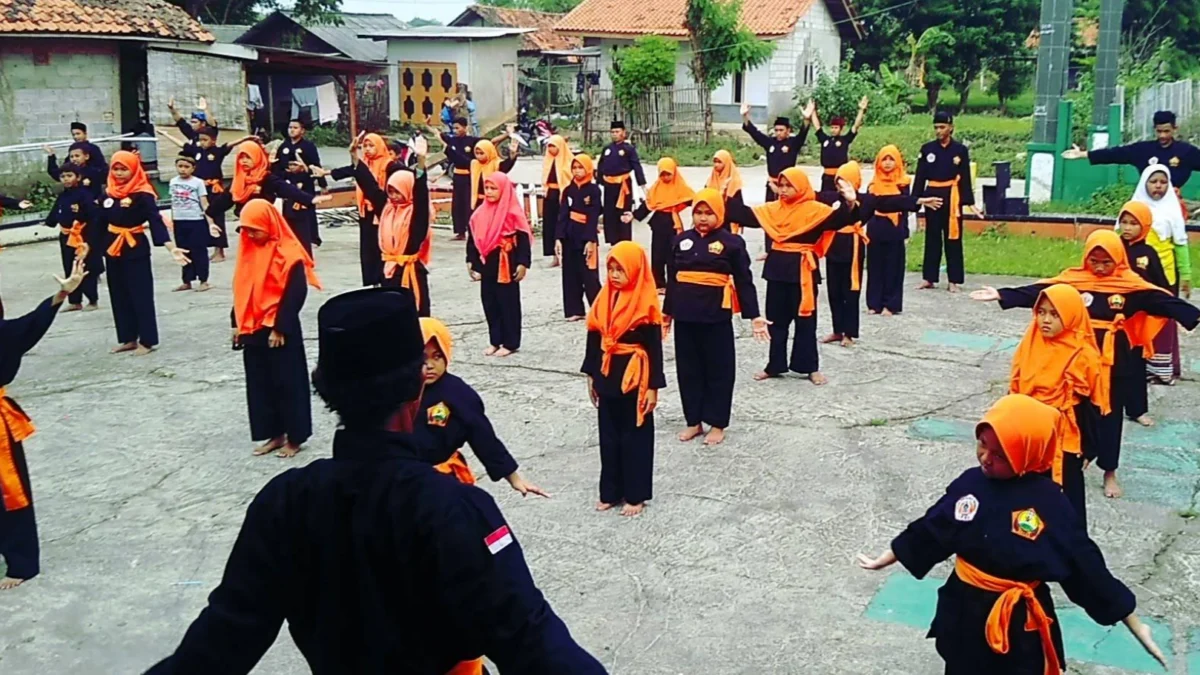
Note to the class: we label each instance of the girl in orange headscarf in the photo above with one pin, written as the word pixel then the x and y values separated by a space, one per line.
pixel 726 179
pixel 799 230
pixel 577 238
pixel 270 285
pixel 624 365
pixel 556 176
pixel 253 179
pixel 498 253
pixel 130 208
pixel 1135 224
pixel 1013 532
pixel 1058 363
pixel 487 161
pixel 1126 312
pixel 887 234
pixel 668 197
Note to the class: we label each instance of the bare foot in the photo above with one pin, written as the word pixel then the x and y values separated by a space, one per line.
pixel 504 351
pixel 9 583
pixel 181 287
pixel 269 447
pixel 761 257
pixel 662 291
pixel 715 436
pixel 887 312
pixel 127 347
pixel 763 375
pixel 142 350
pixel 953 288
pixel 818 379
pixel 630 510
pixel 73 308
pixel 872 312
pixel 1112 489
pixel 91 307
pixel 290 450
pixel 458 237
pixel 832 337
pixel 1145 420
pixel 604 506
pixel 218 257
pixel 690 433
pixel 555 262
pixel 576 318
pixel 204 286
pixel 925 285
pixel 847 342
pixel 491 350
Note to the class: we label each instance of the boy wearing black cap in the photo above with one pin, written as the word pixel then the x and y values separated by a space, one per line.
pixel 294 161
pixel 79 134
pixel 192 126
pixel 92 176
pixel 378 563
pixel 835 146
pixel 78 238
pixel 1180 157
pixel 617 162
pixel 782 148
pixel 944 171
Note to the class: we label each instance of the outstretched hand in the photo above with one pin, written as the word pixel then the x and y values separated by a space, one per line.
pixel 1142 632
pixel 759 327
pixel 1075 152
pixel 868 563
pixel 181 256
pixel 985 294
pixel 69 284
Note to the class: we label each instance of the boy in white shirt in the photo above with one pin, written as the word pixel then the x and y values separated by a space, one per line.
pixel 189 201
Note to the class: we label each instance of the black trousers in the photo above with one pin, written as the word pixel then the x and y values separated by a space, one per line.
pixel 18 529
pixel 550 211
pixel 626 451
pixel 1135 401
pixel 828 182
pixel 277 391
pixel 885 276
pixel 303 221
pixel 94 265
pixel 460 205
pixel 1110 427
pixel 614 230
pixel 369 257
pixel 422 284
pixel 502 309
pixel 193 236
pixel 937 233
pixel 771 195
pixel 843 302
pixel 131 292
pixel 706 364
pixel 217 205
pixel 783 303
pixel 661 240
pixel 578 281
pixel 1073 485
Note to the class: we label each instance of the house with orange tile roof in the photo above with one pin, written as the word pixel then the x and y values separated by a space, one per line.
pixel 808 37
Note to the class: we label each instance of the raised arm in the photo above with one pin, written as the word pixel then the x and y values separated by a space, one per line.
pixel 862 115
pixel 370 186
pixel 286 190
pixel 418 229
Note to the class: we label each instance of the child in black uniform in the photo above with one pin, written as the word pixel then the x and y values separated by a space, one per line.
pixel 498 254
pixel 577 235
pixel 1134 224
pixel 78 237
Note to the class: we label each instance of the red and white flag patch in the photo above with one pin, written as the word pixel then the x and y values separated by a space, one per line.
pixel 498 540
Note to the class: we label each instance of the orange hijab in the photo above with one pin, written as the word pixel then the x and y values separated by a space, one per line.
pixel 672 197
pixel 1026 429
pixel 138 182
pixel 396 220
pixel 716 180
pixel 715 201
pixel 1141 212
pixel 850 172
pixel 435 331
pixel 244 181
pixel 1141 327
pixel 556 169
pixel 784 219
pixel 887 183
pixel 262 269
pixel 377 155
pixel 483 169
pixel 589 170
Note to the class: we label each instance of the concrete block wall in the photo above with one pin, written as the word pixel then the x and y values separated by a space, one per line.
pixel 45 84
pixel 186 77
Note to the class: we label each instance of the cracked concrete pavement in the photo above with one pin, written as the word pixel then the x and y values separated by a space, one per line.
pixel 743 563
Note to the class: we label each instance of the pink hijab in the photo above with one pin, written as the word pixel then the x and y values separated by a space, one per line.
pixel 493 221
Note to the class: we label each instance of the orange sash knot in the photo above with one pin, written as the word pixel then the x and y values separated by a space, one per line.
pixel 637 373
pixel 17 427
pixel 462 172
pixel 504 265
pixel 955 204
pixel 860 238
pixel 457 466
pixel 74 233
pixel 126 236
pixel 215 186
pixel 623 195
pixel 1011 592
pixel 830 171
pixel 808 265
pixel 729 299
pixel 408 272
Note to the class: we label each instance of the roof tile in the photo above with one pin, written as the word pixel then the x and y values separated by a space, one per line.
pixel 145 18
pixel 767 18
pixel 544 39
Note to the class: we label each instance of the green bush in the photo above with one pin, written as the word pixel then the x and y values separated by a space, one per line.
pixel 327 135
pixel 839 93
pixel 1105 201
pixel 43 196
pixel 650 62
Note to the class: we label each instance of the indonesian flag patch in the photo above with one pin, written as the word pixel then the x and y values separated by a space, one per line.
pixel 498 540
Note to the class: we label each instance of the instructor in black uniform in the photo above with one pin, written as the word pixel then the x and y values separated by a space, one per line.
pixel 944 171
pixel 782 148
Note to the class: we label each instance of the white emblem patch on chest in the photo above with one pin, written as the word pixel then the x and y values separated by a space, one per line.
pixel 966 508
pixel 772 149
pixel 108 203
pixel 1087 298
pixel 1153 161
pixel 686 245
pixel 608 151
pixel 931 158
pixel 286 150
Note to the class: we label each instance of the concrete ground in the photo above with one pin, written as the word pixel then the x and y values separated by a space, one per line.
pixel 742 564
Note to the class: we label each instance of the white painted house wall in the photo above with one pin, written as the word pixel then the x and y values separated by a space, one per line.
pixel 480 63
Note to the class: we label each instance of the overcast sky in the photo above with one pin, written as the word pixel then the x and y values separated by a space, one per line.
pixel 442 10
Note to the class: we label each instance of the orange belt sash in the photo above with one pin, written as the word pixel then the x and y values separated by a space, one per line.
pixel 955 204
pixel 1011 592
pixel 578 217
pixel 550 186
pixel 504 265
pixel 637 373
pixel 808 265
pixel 457 466
pixel 408 272
pixel 623 195
pixel 830 171
pixel 74 233
pixel 17 425
pixel 461 172
pixel 860 237
pixel 215 186
pixel 675 211
pixel 126 236
pixel 729 299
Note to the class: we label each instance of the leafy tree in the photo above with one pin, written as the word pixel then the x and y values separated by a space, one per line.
pixel 417 22
pixel 721 47
pixel 650 62
pixel 250 11
pixel 1013 77
pixel 838 94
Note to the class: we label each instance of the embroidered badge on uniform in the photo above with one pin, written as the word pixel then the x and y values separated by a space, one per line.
pixel 837 144
pixel 621 153
pixel 966 508
pixel 438 415
pixel 608 151
pixel 1142 261
pixel 108 203
pixel 87 181
pixel 1087 298
pixel 285 151
pixel 1028 524
pixel 127 202
pixel 587 200
pixel 771 149
pixel 716 247
pixel 957 160
pixel 931 158
pixel 199 155
pixel 211 157
pixel 1152 161
pixel 685 245
pixel 498 540
pixel 785 148
pixel 1174 162
pixel 74 208
pixel 1116 301
pixel 825 144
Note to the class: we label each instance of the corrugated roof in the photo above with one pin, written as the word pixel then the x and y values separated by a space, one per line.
pixel 767 18
pixel 544 39
pixel 227 32
pixel 142 18
pixel 344 38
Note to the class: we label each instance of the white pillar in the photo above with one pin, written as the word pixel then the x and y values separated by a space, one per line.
pixel 394 92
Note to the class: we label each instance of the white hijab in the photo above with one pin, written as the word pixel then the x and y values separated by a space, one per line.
pixel 1168 212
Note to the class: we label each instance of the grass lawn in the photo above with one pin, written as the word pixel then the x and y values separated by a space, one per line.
pixel 1012 255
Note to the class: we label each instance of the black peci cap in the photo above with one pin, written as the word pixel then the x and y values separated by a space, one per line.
pixel 783 122
pixel 79 125
pixel 943 117
pixel 617 124
pixel 1164 117
pixel 367 333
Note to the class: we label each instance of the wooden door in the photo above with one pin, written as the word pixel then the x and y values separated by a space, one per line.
pixel 423 88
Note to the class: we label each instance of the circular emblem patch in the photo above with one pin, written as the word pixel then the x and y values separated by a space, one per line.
pixel 825 144
pixel 1027 524
pixel 686 245
pixel 1153 161
pixel 966 508
pixel 285 150
pixel 621 153
pixel 931 158
pixel 772 149
pixel 211 157
pixel 837 144
pixel 1087 298
pixel 607 151
pixel 199 155
pixel 785 148
pixel 108 203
